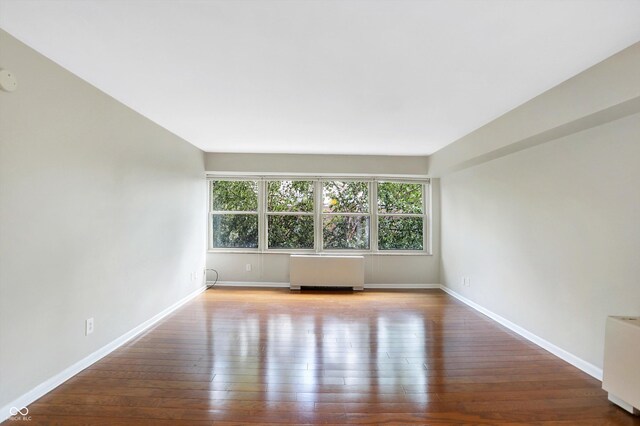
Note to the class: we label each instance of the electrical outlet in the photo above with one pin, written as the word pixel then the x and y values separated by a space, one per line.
pixel 88 326
pixel 194 276
pixel 466 281
pixel 248 267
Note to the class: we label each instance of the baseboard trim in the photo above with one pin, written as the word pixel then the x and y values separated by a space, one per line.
pixel 402 286
pixel 286 285
pixel 55 381
pixel 252 284
pixel 577 362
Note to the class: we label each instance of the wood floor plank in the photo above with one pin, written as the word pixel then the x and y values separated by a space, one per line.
pixel 270 356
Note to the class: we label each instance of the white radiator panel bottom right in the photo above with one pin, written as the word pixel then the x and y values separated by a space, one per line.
pixel 621 373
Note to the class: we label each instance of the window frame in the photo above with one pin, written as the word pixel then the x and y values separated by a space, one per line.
pixel 232 212
pixel 372 182
pixel 267 213
pixel 424 215
pixel 322 215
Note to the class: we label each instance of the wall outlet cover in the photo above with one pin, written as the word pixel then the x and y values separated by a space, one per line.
pixel 88 326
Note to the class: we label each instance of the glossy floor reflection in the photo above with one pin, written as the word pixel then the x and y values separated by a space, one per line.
pixel 239 356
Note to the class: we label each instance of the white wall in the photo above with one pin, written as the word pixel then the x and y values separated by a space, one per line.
pixel 379 269
pixel 274 268
pixel 602 93
pixel 101 215
pixel 540 209
pixel 549 236
pixel 312 163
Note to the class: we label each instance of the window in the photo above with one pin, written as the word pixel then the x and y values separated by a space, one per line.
pixel 234 214
pixel 400 216
pixel 345 215
pixel 290 221
pixel 318 215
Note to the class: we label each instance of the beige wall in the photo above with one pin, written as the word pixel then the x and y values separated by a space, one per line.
pixel 274 268
pixel 321 164
pixel 101 215
pixel 549 236
pixel 379 269
pixel 540 209
pixel 602 93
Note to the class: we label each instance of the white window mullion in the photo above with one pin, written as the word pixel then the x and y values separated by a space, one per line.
pixel 426 222
pixel 234 212
pixel 209 217
pixel 317 185
pixel 290 213
pixel 262 217
pixel 373 221
pixel 346 214
pixel 400 215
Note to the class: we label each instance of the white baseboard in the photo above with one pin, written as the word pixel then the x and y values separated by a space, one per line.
pixel 401 286
pixel 66 374
pixel 583 365
pixel 286 285
pixel 252 284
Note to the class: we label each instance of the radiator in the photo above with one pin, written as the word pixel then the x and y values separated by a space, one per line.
pixel 326 271
pixel 621 373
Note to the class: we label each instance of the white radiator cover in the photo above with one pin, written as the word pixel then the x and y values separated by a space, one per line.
pixel 326 271
pixel 621 373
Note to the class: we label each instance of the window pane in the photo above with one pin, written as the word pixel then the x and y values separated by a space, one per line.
pixel 234 231
pixel 290 232
pixel 345 232
pixel 399 197
pixel 290 196
pixel 234 195
pixel 400 233
pixel 345 197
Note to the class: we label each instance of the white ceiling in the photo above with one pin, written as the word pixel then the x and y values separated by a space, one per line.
pixel 390 77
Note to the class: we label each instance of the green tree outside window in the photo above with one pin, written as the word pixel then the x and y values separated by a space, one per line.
pixel 239 227
pixel 293 225
pixel 400 220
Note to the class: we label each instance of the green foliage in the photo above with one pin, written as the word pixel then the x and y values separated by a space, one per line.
pixel 400 233
pixel 290 232
pixel 290 196
pixel 399 197
pixel 345 232
pixel 234 195
pixel 345 197
pixel 235 231
pixel 340 231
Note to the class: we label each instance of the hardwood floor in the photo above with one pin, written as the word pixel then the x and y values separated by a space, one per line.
pixel 240 356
